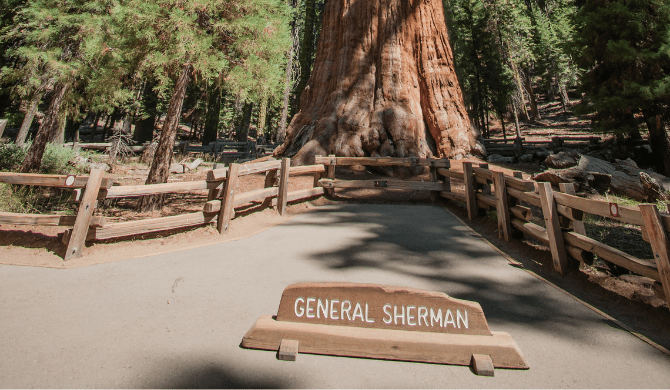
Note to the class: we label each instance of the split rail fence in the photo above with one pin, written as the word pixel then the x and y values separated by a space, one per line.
pixel 484 189
pixel 223 198
pixel 563 212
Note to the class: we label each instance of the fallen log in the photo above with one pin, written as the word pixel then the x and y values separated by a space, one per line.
pixel 622 178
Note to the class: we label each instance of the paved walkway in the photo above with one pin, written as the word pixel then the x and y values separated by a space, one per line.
pixel 176 320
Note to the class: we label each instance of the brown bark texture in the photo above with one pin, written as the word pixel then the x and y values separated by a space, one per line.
pixel 588 173
pixel 383 84
pixel 50 125
pixel 160 166
pixel 27 121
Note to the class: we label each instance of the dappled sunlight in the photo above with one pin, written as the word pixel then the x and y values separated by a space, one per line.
pixel 427 245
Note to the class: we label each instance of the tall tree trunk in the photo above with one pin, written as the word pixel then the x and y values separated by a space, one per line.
pixel 658 139
pixel 262 115
pixel 127 124
pixel 283 122
pixel 565 99
pixel 144 128
pixel 116 115
pixel 245 122
pixel 502 124
pixel 58 137
pixel 71 130
pixel 295 41
pixel 160 166
pixel 94 126
pixel 383 85
pixel 534 112
pixel 50 124
pixel 28 120
pixel 521 95
pixel 306 47
pixel 211 130
pixel 516 122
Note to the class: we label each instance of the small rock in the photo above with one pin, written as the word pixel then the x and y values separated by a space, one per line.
pixel 562 160
pixel 102 166
pixel 527 157
pixel 498 159
pixel 542 154
pixel 176 168
pixel 479 150
pixel 193 165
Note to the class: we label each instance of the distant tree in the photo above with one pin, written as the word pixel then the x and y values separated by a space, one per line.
pixel 182 41
pixel 554 31
pixel 53 44
pixel 623 47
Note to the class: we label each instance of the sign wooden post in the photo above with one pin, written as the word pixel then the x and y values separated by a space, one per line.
pixel 382 322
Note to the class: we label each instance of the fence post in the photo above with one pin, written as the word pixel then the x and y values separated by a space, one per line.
pixel 659 244
pixel 434 195
pixel 228 198
pixel 83 220
pixel 330 174
pixel 270 178
pixel 550 214
pixel 486 188
pixel 282 196
pixel 502 207
pixel 470 197
pixel 577 226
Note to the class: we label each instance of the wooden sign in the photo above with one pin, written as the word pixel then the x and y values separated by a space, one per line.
pixel 383 322
pixel 380 307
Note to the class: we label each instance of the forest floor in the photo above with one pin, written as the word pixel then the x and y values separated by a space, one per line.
pixel 629 296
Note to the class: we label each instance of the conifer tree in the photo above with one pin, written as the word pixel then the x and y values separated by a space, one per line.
pixel 623 47
pixel 54 41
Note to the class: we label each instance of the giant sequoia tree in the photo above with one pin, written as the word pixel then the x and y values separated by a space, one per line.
pixel 383 84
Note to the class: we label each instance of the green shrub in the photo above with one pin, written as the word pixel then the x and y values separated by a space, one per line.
pixel 11 157
pixel 56 159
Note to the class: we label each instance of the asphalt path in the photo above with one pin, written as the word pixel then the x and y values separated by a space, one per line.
pixel 176 320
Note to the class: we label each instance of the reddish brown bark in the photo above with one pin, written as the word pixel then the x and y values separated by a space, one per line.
pixel 160 166
pixel 50 126
pixel 383 85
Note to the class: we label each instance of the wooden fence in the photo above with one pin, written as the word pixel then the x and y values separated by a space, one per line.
pixel 563 212
pixel 510 196
pixel 519 146
pixel 221 184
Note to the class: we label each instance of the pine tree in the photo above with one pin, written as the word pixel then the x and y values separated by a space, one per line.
pixel 54 42
pixel 623 47
pixel 554 31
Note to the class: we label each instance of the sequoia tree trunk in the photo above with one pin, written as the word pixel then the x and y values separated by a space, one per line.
pixel 160 166
pixel 383 84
